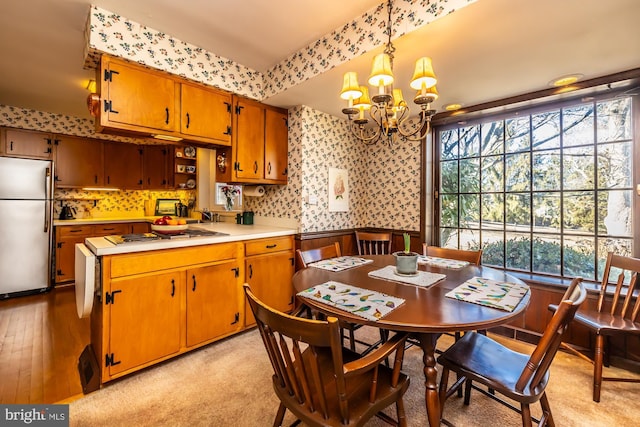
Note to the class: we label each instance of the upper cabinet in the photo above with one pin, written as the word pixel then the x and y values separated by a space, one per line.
pixel 276 144
pixel 25 143
pixel 79 162
pixel 123 165
pixel 134 98
pixel 259 153
pixel 205 113
pixel 157 167
pixel 138 100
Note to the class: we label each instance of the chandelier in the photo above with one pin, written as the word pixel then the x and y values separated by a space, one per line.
pixel 389 110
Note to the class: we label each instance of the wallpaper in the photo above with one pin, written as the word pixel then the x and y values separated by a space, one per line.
pixel 108 32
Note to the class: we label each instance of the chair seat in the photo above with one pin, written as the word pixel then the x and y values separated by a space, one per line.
pixel 604 323
pixel 358 388
pixel 481 359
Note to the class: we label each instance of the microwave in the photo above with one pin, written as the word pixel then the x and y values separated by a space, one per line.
pixel 166 207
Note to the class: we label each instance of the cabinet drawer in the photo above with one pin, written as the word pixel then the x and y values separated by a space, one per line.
pixel 108 229
pixel 75 230
pixel 146 262
pixel 265 246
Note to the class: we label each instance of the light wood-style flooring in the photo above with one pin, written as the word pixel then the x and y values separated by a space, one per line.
pixel 41 338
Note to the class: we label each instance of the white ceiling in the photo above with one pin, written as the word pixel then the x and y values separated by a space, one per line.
pixel 486 51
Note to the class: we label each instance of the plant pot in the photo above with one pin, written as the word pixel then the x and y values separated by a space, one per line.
pixel 406 262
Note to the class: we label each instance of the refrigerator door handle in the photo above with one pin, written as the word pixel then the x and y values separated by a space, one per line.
pixel 47 205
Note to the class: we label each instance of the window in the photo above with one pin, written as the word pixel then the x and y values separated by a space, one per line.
pixel 545 191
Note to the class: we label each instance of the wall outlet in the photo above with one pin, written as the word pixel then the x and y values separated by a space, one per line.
pixel 312 199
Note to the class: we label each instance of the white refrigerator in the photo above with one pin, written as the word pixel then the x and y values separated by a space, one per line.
pixel 26 209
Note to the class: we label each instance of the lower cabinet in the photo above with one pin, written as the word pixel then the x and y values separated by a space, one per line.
pixel 155 305
pixel 269 267
pixel 145 320
pixel 66 237
pixel 212 302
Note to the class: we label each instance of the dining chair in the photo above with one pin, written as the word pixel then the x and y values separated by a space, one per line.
pixel 321 382
pixel 472 257
pixel 317 254
pixel 326 252
pixel 520 377
pixel 618 318
pixel 373 243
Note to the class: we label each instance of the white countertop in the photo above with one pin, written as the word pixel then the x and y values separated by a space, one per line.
pixel 101 246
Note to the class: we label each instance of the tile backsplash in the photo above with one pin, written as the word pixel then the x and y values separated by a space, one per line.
pixel 113 204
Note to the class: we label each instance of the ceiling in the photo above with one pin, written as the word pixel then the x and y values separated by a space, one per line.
pixel 488 50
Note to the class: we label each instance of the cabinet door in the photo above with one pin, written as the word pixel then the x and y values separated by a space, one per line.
pixel 212 302
pixel 66 239
pixel 276 146
pixel 205 113
pixel 156 166
pixel 248 150
pixel 270 279
pixel 140 227
pixel 79 162
pixel 123 165
pixel 30 144
pixel 135 96
pixel 145 319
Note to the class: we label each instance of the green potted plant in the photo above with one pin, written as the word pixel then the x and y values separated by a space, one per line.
pixel 406 261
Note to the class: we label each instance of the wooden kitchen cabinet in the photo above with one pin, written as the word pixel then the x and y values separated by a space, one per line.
pixel 149 309
pixel 259 153
pixel 276 146
pixel 269 267
pixel 144 317
pixel 137 99
pixel 68 235
pixel 123 165
pixel 79 162
pixel 212 296
pixel 157 167
pixel 26 144
pixel 205 113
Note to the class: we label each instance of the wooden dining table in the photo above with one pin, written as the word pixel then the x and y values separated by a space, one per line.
pixel 426 312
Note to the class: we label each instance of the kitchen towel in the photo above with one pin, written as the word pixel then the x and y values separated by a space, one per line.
pixel 421 278
pixel 371 305
pixel 491 293
pixel 253 191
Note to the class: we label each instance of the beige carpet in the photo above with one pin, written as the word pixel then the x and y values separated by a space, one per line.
pixel 228 384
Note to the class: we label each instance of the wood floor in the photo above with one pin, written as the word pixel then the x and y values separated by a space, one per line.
pixel 41 338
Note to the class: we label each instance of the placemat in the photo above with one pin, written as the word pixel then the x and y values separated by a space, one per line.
pixel 491 293
pixel 371 305
pixel 422 278
pixel 340 263
pixel 442 262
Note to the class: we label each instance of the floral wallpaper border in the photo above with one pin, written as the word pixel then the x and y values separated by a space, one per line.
pixel 108 32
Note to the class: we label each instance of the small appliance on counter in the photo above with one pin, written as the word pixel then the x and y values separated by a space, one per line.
pixel 67 212
pixel 166 207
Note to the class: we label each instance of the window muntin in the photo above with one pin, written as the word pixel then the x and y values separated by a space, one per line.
pixel 544 192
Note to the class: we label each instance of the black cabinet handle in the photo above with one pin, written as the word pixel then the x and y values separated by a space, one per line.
pixel 271 246
pixel 269 168
pixel 188 120
pixel 166 110
pixel 173 287
pixel 11 146
pixel 255 167
pixel 194 283
pixel 286 171
pixel 250 271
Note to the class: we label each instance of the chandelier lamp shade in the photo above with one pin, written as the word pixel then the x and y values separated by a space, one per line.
pixel 387 107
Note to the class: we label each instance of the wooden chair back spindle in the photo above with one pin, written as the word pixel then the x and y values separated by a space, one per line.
pixel 472 257
pixel 373 243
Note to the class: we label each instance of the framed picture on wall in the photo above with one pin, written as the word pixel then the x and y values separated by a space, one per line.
pixel 338 190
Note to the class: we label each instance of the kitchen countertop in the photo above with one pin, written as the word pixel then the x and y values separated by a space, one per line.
pixel 101 246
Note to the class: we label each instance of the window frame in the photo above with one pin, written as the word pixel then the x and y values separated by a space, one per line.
pixel 479 117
